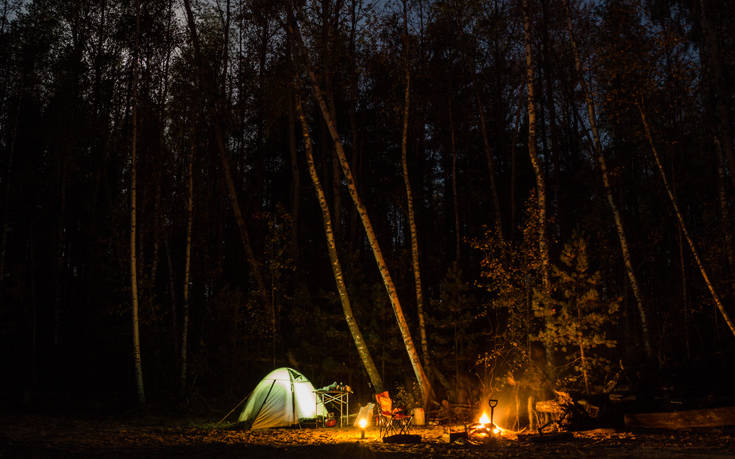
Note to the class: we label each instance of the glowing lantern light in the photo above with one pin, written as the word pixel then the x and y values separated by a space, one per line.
pixel 362 423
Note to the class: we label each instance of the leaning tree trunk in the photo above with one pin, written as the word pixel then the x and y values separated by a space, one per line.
pixel 206 83
pixel 295 178
pixel 187 275
pixel 608 189
pixel 409 200
pixel 360 344
pixel 538 172
pixel 695 254
pixel 423 382
pixel 133 218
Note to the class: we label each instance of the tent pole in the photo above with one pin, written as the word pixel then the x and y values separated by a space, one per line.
pixel 293 401
pixel 233 409
pixel 264 400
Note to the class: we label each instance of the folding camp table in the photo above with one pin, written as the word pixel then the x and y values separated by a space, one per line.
pixel 337 399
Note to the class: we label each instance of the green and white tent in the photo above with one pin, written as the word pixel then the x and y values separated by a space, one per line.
pixel 283 398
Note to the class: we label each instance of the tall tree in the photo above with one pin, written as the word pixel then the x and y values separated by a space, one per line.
pixel 537 170
pixel 133 216
pixel 360 343
pixel 205 78
pixel 677 212
pixel 187 273
pixel 599 155
pixel 423 382
pixel 409 195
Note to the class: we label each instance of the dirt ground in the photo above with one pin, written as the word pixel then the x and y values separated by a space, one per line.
pixel 56 436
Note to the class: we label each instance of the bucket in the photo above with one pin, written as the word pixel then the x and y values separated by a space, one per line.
pixel 418 416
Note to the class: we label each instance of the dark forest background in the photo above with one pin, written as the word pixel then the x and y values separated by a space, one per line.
pixel 84 82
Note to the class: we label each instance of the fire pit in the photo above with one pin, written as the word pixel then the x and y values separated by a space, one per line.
pixel 483 431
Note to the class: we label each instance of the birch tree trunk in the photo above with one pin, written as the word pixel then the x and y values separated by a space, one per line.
pixel 423 382
pixel 360 344
pixel 409 200
pixel 538 171
pixel 679 217
pixel 608 189
pixel 187 275
pixel 133 217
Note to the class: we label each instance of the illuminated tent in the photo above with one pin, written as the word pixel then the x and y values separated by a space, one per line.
pixel 283 398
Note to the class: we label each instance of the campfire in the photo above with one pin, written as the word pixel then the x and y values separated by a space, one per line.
pixel 489 424
pixel 483 431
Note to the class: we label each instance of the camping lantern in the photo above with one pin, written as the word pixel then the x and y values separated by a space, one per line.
pixel 362 423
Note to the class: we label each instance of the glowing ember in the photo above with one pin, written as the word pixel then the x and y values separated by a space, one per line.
pixel 484 419
pixel 496 430
pixel 363 423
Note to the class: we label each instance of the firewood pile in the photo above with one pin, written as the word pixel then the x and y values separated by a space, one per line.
pixel 565 413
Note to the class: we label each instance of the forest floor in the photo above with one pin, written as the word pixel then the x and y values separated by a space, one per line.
pixel 61 436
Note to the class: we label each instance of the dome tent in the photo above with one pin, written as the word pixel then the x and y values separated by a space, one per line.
pixel 283 398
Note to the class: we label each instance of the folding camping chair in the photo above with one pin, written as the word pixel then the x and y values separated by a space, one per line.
pixel 391 421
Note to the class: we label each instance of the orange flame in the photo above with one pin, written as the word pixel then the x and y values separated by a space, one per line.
pixel 484 419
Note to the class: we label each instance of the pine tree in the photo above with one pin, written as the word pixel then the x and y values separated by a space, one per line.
pixel 576 318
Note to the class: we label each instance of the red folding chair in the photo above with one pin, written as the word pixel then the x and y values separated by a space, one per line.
pixel 391 421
